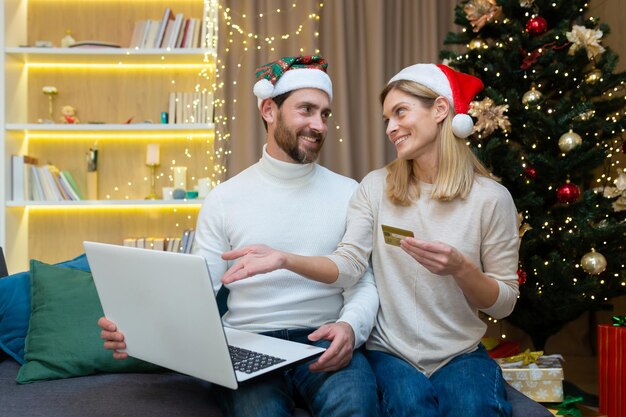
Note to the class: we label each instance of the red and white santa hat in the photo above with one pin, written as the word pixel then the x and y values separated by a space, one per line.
pixel 458 88
pixel 292 73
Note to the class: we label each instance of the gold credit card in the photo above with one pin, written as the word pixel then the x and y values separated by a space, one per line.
pixel 393 235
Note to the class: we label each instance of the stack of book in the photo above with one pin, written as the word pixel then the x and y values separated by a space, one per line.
pixel 194 107
pixel 182 244
pixel 33 182
pixel 172 31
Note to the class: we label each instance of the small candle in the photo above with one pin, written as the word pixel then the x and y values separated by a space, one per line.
pixel 152 155
pixel 180 177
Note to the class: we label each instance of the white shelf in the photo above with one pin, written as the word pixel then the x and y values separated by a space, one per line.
pixel 98 56
pixel 86 203
pixel 107 85
pixel 109 127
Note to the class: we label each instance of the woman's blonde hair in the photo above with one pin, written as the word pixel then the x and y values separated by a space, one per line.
pixel 457 164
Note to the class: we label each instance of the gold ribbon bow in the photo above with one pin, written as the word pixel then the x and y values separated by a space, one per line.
pixel 527 357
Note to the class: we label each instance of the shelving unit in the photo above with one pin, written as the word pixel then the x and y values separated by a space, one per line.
pixel 108 87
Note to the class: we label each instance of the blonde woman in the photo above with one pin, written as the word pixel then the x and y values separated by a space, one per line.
pixel 425 347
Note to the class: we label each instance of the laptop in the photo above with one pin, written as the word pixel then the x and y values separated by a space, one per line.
pixel 165 305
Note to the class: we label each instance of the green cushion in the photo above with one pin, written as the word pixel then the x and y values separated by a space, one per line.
pixel 63 337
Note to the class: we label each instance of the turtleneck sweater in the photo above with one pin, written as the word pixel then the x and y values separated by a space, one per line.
pixel 299 208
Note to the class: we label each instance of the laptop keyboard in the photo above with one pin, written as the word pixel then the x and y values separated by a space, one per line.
pixel 249 362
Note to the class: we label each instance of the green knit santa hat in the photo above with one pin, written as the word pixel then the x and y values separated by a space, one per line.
pixel 292 73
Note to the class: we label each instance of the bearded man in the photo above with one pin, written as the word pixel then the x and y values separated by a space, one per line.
pixel 291 203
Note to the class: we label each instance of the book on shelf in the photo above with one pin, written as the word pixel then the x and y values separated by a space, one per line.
pixel 32 182
pixel 72 183
pixel 144 34
pixel 67 187
pixel 180 244
pixel 185 30
pixel 190 107
pixel 94 44
pixel 51 192
pixel 56 177
pixel 195 36
pixel 21 172
pixel 179 107
pixel 186 241
pixel 171 31
pixel 168 34
pixel 176 31
pixel 168 16
pixel 175 244
pixel 151 34
pixel 158 243
pixel 137 36
pixel 171 108
pixel 35 185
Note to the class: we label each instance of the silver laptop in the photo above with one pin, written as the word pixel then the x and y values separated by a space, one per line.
pixel 165 305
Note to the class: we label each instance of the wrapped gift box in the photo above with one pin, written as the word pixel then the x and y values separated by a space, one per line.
pixel 499 348
pixel 542 381
pixel 612 370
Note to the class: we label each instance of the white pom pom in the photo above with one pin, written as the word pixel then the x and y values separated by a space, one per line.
pixel 263 89
pixel 462 125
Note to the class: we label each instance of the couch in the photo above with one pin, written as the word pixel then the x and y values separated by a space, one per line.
pixel 50 345
pixel 136 395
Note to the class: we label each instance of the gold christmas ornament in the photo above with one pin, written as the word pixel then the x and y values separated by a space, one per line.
pixel 531 96
pixel 569 141
pixel 476 43
pixel 593 76
pixel 593 263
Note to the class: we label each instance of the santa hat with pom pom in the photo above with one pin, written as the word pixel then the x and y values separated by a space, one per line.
pixel 458 88
pixel 292 73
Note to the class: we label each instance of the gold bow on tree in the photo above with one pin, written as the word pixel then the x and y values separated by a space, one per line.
pixel 481 12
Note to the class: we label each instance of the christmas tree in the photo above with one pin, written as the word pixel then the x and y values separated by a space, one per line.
pixel 549 124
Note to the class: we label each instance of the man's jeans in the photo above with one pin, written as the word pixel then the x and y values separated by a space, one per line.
pixel 349 392
pixel 470 385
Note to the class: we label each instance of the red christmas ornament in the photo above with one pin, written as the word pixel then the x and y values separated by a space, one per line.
pixel 521 276
pixel 567 193
pixel 536 26
pixel 530 172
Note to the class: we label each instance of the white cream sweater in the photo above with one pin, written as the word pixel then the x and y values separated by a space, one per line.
pixel 425 318
pixel 291 207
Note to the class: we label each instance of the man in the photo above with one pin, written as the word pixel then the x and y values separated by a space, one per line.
pixel 290 202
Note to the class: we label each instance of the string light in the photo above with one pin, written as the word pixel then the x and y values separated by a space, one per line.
pixel 238 32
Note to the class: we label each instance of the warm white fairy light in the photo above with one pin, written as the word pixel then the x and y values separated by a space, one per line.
pixel 249 41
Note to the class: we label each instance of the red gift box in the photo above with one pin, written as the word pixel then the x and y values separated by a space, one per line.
pixel 504 349
pixel 612 370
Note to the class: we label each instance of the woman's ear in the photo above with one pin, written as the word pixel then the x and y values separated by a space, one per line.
pixel 441 108
pixel 268 110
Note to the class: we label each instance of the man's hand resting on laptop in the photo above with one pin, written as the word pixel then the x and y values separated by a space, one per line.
pixel 339 353
pixel 113 340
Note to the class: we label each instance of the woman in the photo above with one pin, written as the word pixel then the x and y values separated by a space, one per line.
pixel 425 348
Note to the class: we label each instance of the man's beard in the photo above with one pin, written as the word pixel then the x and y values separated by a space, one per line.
pixel 288 142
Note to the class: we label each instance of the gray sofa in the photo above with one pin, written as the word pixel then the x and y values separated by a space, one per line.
pixel 69 345
pixel 136 395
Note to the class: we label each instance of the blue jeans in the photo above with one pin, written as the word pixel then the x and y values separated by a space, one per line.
pixel 349 392
pixel 470 385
